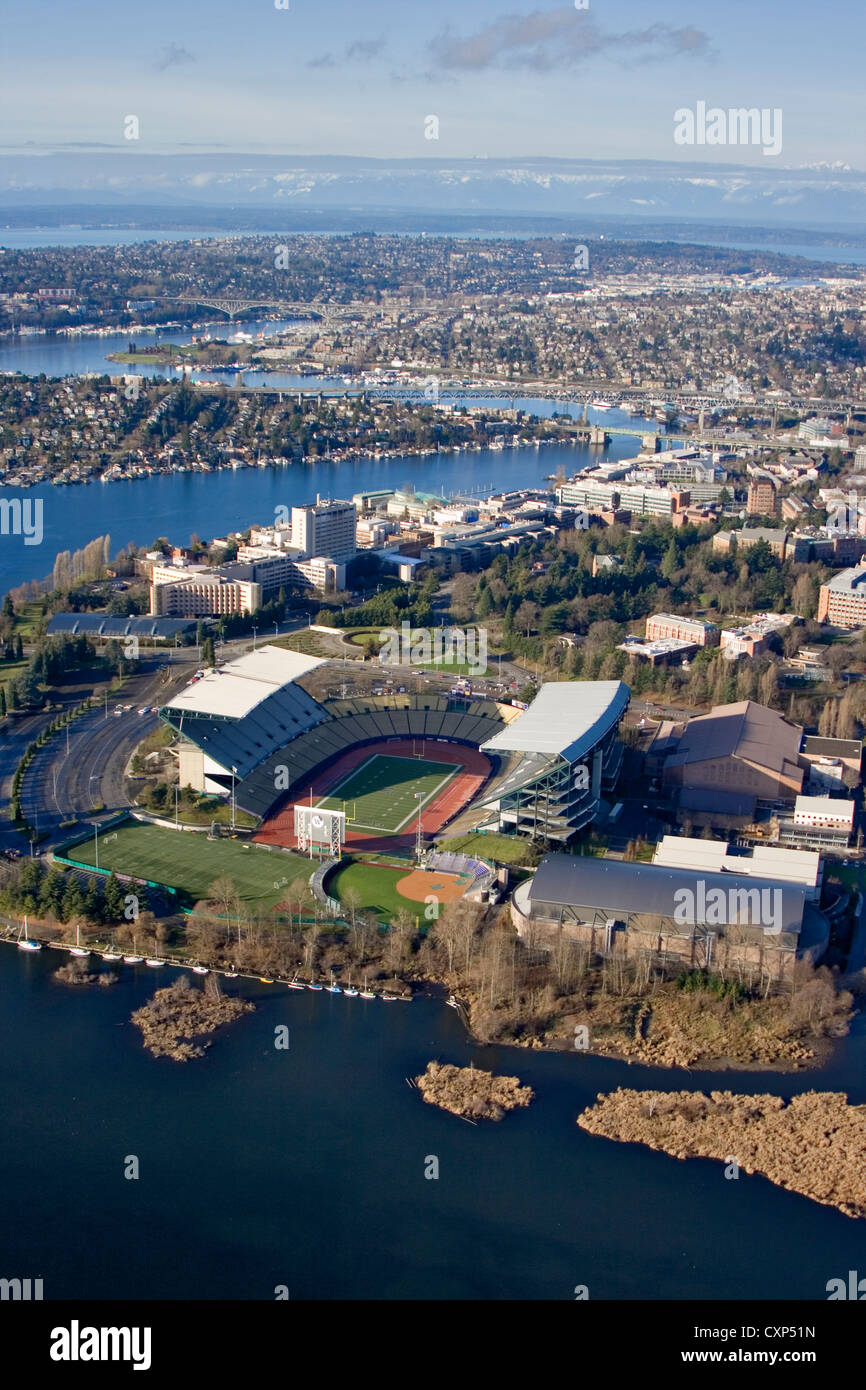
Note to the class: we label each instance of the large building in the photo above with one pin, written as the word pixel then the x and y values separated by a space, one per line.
pixel 201 592
pixel 762 495
pixel 325 529
pixel 842 600
pixel 662 626
pixel 234 717
pixel 744 749
pixel 566 756
pixel 674 916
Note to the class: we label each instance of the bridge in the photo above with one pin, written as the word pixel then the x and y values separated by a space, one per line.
pixel 229 304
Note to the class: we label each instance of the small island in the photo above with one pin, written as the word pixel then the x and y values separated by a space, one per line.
pixel 177 1016
pixel 75 972
pixel 814 1144
pixel 473 1094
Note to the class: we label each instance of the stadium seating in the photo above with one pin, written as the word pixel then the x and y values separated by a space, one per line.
pixel 350 723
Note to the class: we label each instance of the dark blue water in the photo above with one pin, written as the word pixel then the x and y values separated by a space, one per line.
pixel 175 505
pixel 261 1167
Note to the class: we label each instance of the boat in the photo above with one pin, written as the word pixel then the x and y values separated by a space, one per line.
pixel 366 993
pixel 332 988
pixel 154 962
pixel 24 941
pixel 78 949
pixel 133 960
pixel 111 955
pixel 601 405
pixel 200 970
pixel 452 1002
pixel 313 985
pixel 265 980
pixel 295 983
pixel 230 974
pixel 390 998
pixel 347 989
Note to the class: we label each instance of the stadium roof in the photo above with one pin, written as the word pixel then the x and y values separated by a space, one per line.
pixel 236 688
pixel 110 625
pixel 566 719
pixel 622 889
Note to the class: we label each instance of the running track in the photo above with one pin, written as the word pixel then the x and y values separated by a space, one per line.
pixel 279 829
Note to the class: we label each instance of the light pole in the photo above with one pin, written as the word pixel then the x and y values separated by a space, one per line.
pixel 234 774
pixel 96 844
pixel 176 790
pixel 255 630
pixel 419 796
pixel 106 704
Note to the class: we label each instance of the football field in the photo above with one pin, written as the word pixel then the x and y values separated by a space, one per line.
pixel 191 862
pixel 382 793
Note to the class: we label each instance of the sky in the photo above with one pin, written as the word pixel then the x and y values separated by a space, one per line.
pixel 504 78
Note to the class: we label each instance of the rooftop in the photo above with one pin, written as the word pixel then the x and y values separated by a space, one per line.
pixel 566 718
pixel 745 730
pixel 236 688
pixel 624 889
pixel 848 581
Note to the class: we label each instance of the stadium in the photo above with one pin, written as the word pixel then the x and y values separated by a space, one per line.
pixel 384 776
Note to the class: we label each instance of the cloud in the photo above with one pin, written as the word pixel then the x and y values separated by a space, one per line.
pixel 173 55
pixel 365 48
pixel 559 38
pixel 359 51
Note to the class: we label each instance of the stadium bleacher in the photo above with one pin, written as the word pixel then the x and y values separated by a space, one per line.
pixel 354 722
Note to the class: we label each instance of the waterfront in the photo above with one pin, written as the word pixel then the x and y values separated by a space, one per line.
pixel 305 1167
pixel 176 504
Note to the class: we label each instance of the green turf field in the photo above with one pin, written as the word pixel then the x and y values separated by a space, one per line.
pixel 380 794
pixel 376 886
pixel 191 862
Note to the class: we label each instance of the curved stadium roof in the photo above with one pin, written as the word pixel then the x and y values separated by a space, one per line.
pixel 566 719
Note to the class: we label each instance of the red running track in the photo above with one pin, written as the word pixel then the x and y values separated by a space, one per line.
pixel 280 828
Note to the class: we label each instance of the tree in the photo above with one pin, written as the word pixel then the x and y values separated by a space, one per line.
pixel 670 560
pixel 770 687
pixel 208 655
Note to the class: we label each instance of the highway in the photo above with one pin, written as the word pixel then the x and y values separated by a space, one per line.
pixel 60 786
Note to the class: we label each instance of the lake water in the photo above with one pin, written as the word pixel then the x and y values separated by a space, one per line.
pixel 178 504
pixel 305 1167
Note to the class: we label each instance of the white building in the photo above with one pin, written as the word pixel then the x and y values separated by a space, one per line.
pixel 325 529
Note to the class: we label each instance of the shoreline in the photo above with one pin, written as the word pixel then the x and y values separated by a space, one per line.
pixel 821 1048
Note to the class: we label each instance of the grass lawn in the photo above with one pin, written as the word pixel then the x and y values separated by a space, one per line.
pixel 360 636
pixel 380 794
pixel 191 862
pixel 376 886
pixel 502 849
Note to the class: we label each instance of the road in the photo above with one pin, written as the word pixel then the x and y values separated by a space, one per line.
pixel 62 785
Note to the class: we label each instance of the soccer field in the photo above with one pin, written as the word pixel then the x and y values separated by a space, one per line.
pixel 191 862
pixel 380 794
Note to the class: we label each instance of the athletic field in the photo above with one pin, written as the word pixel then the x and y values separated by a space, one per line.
pixel 381 793
pixel 190 862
